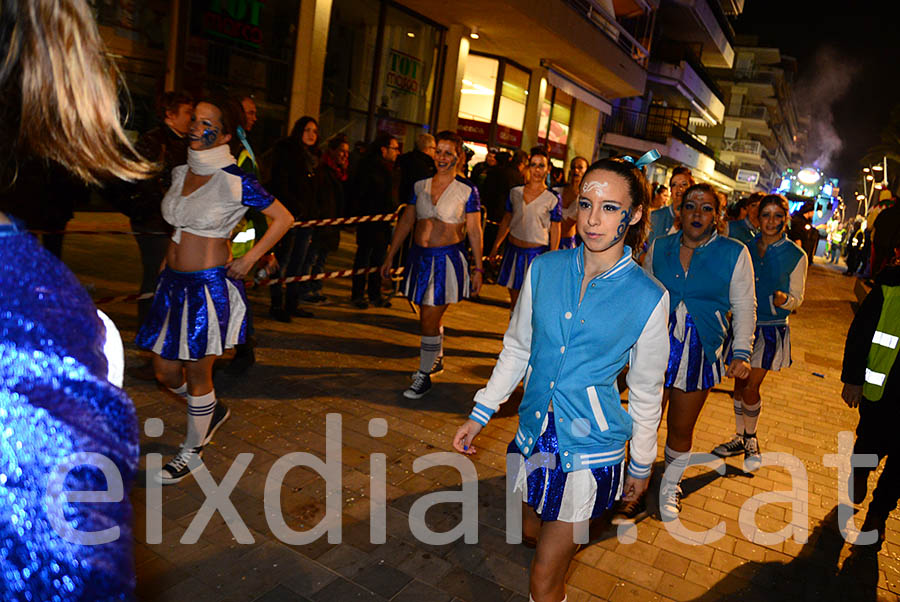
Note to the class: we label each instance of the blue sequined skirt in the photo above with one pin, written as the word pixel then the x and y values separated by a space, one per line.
pixel 565 496
pixel 515 263
pixel 689 369
pixel 771 347
pixel 437 275
pixel 194 314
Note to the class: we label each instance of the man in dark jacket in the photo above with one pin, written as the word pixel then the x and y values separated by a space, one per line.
pixel 802 231
pixel 885 235
pixel 415 165
pixel 166 145
pixel 497 184
pixel 373 193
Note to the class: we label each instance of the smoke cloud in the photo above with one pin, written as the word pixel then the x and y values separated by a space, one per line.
pixel 827 79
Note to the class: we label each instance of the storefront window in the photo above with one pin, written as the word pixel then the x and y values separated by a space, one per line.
pixel 479 85
pixel 553 130
pixel 485 119
pixel 400 97
pixel 511 111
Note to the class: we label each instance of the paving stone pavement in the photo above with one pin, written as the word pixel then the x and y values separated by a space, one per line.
pixel 355 364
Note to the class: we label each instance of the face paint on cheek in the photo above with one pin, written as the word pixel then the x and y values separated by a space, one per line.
pixel 209 136
pixel 623 225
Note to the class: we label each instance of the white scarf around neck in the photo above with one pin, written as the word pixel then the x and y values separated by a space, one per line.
pixel 207 162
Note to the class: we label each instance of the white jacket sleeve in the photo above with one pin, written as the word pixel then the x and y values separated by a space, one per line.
pixel 513 360
pixel 742 296
pixel 645 378
pixel 797 285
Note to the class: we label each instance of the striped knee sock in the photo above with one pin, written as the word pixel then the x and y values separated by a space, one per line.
pixel 751 417
pixel 200 412
pixel 431 347
pixel 182 390
pixel 678 460
pixel 738 415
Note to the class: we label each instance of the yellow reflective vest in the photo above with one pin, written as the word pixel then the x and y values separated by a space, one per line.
pixel 883 351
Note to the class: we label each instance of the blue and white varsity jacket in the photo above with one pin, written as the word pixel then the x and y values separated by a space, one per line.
pixel 742 230
pixel 661 221
pixel 782 268
pixel 720 279
pixel 571 352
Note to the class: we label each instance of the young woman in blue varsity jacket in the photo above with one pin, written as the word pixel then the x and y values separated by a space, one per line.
pixel 780 268
pixel 583 313
pixel 707 275
pixel 532 220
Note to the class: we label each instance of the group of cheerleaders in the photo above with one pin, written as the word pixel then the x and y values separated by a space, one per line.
pixel 579 316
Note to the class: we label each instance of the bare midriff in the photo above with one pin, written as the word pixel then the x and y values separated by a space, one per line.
pixel 525 244
pixel 195 253
pixel 430 233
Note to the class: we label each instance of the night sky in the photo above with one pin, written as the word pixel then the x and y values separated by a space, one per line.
pixel 848 55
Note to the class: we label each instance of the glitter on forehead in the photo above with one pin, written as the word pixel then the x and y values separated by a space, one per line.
pixel 599 186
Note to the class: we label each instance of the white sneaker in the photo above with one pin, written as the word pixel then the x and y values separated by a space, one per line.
pixel 669 500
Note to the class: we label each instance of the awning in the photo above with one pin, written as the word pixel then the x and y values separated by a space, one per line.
pixel 573 88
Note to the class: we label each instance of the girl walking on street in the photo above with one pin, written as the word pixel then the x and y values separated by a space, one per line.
pixel 532 220
pixel 780 268
pixel 707 275
pixel 583 313
pixel 443 210
pixel 200 307
pixel 568 194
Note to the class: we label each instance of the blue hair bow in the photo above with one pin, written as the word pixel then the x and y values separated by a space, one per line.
pixel 649 157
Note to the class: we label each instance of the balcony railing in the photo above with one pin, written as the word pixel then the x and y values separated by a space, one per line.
pixel 652 126
pixel 726 169
pixel 751 112
pixel 747 147
pixel 757 75
pixel 674 53
pixel 596 13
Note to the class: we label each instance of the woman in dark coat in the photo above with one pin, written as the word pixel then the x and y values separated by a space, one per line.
pixel 294 163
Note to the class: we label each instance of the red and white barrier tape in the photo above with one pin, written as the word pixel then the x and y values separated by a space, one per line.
pixel 251 284
pixel 334 221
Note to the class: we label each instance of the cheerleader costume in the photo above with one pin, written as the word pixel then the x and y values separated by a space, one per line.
pixel 781 268
pixel 440 275
pixel 530 222
pixel 567 459
pixel 201 313
pixel 568 213
pixel 720 279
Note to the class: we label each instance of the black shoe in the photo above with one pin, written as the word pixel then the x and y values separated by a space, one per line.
pixel 381 302
pixel 314 298
pixel 186 461
pixel 220 414
pixel 301 313
pixel 630 512
pixel 420 386
pixel 280 315
pixel 243 358
pixel 732 447
pixel 752 457
pixel 360 303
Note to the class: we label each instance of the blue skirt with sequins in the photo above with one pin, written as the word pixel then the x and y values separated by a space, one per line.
pixel 194 314
pixel 771 347
pixel 689 369
pixel 437 275
pixel 565 496
pixel 515 263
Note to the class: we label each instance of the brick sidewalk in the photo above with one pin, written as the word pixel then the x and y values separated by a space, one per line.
pixel 356 363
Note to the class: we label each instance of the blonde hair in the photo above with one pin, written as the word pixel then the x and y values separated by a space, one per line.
pixel 55 78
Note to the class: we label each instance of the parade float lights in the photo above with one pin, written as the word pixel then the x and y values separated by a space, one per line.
pixel 810 184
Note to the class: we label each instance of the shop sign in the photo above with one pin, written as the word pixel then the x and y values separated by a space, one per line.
pixel 474 131
pixel 404 72
pixel 508 136
pixel 747 176
pixel 235 20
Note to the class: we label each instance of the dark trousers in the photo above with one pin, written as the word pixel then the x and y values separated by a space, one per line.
pixel 152 248
pixel 372 241
pixel 314 264
pixel 291 254
pixel 876 434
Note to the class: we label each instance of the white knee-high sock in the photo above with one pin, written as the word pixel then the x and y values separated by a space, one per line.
pixel 200 412
pixel 182 390
pixel 751 417
pixel 428 352
pixel 738 415
pixel 678 461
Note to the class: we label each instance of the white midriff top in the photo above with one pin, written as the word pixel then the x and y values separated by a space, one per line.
pixel 460 197
pixel 531 221
pixel 214 209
